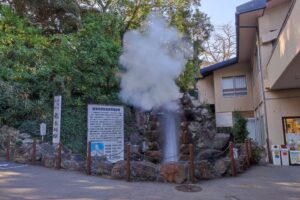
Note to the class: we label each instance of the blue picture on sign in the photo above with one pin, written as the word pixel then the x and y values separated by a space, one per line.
pixel 97 149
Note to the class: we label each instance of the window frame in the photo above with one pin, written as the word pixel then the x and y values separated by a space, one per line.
pixel 235 92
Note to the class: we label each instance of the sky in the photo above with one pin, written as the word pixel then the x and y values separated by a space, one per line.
pixel 221 11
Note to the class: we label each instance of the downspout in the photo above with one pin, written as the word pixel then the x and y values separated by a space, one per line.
pixel 264 100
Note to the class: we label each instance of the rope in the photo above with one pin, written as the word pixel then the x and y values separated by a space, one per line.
pixel 116 153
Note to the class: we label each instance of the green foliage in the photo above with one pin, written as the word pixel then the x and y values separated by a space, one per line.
pixel 187 79
pixel 257 154
pixel 82 67
pixel 53 15
pixel 239 128
pixel 39 60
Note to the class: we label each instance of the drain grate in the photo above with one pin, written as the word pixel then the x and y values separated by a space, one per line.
pixel 188 188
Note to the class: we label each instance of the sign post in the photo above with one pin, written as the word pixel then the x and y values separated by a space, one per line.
pixel 42 131
pixel 106 131
pixel 56 120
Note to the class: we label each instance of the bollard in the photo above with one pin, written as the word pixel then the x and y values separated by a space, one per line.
pixel 89 159
pixel 247 153
pixel 33 155
pixel 232 160
pixel 192 163
pixel 128 163
pixel 8 148
pixel 58 160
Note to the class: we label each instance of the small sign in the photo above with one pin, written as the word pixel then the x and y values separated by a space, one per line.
pixel 43 129
pixel 235 153
pixel 56 120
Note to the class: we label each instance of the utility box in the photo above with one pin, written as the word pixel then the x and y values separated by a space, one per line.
pixel 276 154
pixel 285 158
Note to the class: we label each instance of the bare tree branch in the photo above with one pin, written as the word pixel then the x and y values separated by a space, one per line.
pixel 221 46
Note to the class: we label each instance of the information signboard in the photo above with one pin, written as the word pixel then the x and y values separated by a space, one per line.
pixel 106 131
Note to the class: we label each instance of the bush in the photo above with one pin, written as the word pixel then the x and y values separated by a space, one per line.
pixel 239 128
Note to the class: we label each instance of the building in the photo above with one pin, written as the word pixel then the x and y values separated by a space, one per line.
pixel 263 80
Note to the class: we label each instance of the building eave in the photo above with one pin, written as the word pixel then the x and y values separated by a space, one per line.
pixel 251 6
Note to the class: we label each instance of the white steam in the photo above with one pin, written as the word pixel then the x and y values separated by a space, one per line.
pixel 153 58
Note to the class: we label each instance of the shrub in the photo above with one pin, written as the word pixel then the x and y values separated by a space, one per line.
pixel 239 128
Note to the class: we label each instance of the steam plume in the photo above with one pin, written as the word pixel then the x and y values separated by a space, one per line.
pixel 153 58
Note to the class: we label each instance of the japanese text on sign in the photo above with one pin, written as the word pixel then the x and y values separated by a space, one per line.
pixel 56 120
pixel 106 131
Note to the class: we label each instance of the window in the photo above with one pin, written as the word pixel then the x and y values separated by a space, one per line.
pixel 234 86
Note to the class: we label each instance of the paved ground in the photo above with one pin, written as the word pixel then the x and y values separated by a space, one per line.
pixel 34 182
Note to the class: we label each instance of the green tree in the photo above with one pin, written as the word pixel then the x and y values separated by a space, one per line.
pixel 239 128
pixel 81 66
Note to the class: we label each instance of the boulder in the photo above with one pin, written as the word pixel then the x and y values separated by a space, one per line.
pixel 175 172
pixel 154 156
pixel 73 162
pixel 96 160
pixel 143 171
pixel 221 141
pixel 22 153
pixel 204 170
pixel 119 170
pixel 49 160
pixel 105 168
pixel 209 154
pixel 222 166
pixel 194 128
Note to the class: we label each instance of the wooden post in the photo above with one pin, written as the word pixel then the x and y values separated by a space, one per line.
pixel 58 164
pixel 250 150
pixel 128 163
pixel 8 148
pixel 247 153
pixel 89 159
pixel 231 154
pixel 33 155
pixel 192 163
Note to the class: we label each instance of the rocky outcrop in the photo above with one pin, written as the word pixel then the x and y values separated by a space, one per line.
pixel 176 172
pixel 119 170
pixel 143 171
pixel 73 162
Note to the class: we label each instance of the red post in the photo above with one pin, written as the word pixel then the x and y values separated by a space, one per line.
pixel 247 153
pixel 89 159
pixel 33 155
pixel 232 160
pixel 192 163
pixel 59 154
pixel 8 148
pixel 128 173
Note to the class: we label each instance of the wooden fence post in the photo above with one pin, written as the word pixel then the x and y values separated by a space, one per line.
pixel 231 153
pixel 33 155
pixel 247 153
pixel 250 150
pixel 58 164
pixel 192 163
pixel 128 173
pixel 8 148
pixel 89 159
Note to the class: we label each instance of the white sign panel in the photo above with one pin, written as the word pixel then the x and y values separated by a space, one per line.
pixel 56 120
pixel 224 119
pixel 106 131
pixel 43 129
